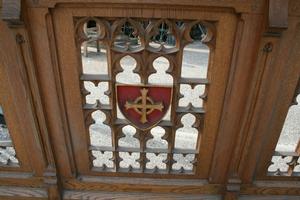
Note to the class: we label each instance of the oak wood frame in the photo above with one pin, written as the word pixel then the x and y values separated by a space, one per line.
pixel 217 86
pixel 251 133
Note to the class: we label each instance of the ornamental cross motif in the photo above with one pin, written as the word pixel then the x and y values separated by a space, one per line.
pixel 141 106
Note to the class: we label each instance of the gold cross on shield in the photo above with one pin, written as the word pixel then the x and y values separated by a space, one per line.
pixel 140 105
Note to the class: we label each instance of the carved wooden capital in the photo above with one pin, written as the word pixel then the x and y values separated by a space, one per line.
pixel 278 15
pixel 11 12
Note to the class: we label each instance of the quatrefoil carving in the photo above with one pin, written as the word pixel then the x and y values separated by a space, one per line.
pixel 279 164
pixel 191 95
pixel 183 162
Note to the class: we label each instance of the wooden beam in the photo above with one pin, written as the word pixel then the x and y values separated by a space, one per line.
pixel 101 195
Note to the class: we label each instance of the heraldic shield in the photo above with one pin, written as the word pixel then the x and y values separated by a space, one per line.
pixel 143 105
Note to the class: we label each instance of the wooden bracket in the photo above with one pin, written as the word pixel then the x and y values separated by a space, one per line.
pixel 11 12
pixel 277 16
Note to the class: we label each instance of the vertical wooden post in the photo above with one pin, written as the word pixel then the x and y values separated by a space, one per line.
pixel 44 163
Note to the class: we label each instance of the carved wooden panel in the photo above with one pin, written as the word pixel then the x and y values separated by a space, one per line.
pixel 144 51
pixel 106 50
pixel 63 68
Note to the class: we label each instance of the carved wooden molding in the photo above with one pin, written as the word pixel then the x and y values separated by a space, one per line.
pixel 255 6
pixel 10 192
pixel 11 12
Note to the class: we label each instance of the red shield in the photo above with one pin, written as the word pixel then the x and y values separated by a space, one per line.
pixel 143 106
